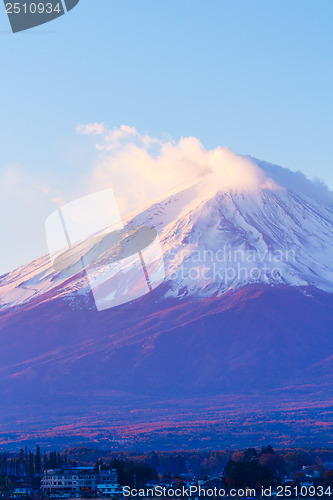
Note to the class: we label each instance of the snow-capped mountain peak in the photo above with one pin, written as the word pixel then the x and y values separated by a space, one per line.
pixel 215 238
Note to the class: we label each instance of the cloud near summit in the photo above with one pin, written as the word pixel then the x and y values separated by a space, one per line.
pixel 141 168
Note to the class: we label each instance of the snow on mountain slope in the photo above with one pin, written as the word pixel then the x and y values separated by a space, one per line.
pixel 269 236
pixel 215 239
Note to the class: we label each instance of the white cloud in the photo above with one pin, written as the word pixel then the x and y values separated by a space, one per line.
pixel 117 137
pixel 141 168
pixel 91 129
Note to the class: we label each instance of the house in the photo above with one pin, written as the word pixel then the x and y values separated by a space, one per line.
pixel 306 484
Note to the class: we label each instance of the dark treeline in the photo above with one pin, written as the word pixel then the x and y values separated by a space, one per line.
pixel 29 465
pixel 205 462
pixel 130 473
pixel 253 468
pixel 250 467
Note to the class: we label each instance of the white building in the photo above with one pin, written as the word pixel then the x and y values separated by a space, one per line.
pixel 109 489
pixel 107 483
pixel 71 480
pixel 75 481
pixel 107 476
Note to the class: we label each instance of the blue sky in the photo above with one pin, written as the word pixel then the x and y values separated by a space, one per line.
pixel 253 75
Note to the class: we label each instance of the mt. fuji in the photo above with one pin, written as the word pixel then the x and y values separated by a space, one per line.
pixel 235 344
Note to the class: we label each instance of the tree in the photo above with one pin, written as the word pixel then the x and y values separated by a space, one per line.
pixel 247 474
pixel 275 463
pixel 267 449
pixel 38 461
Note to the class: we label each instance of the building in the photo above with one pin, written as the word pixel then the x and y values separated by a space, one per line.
pixel 21 491
pixel 107 483
pixel 107 476
pixel 77 481
pixel 109 490
pixel 67 481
